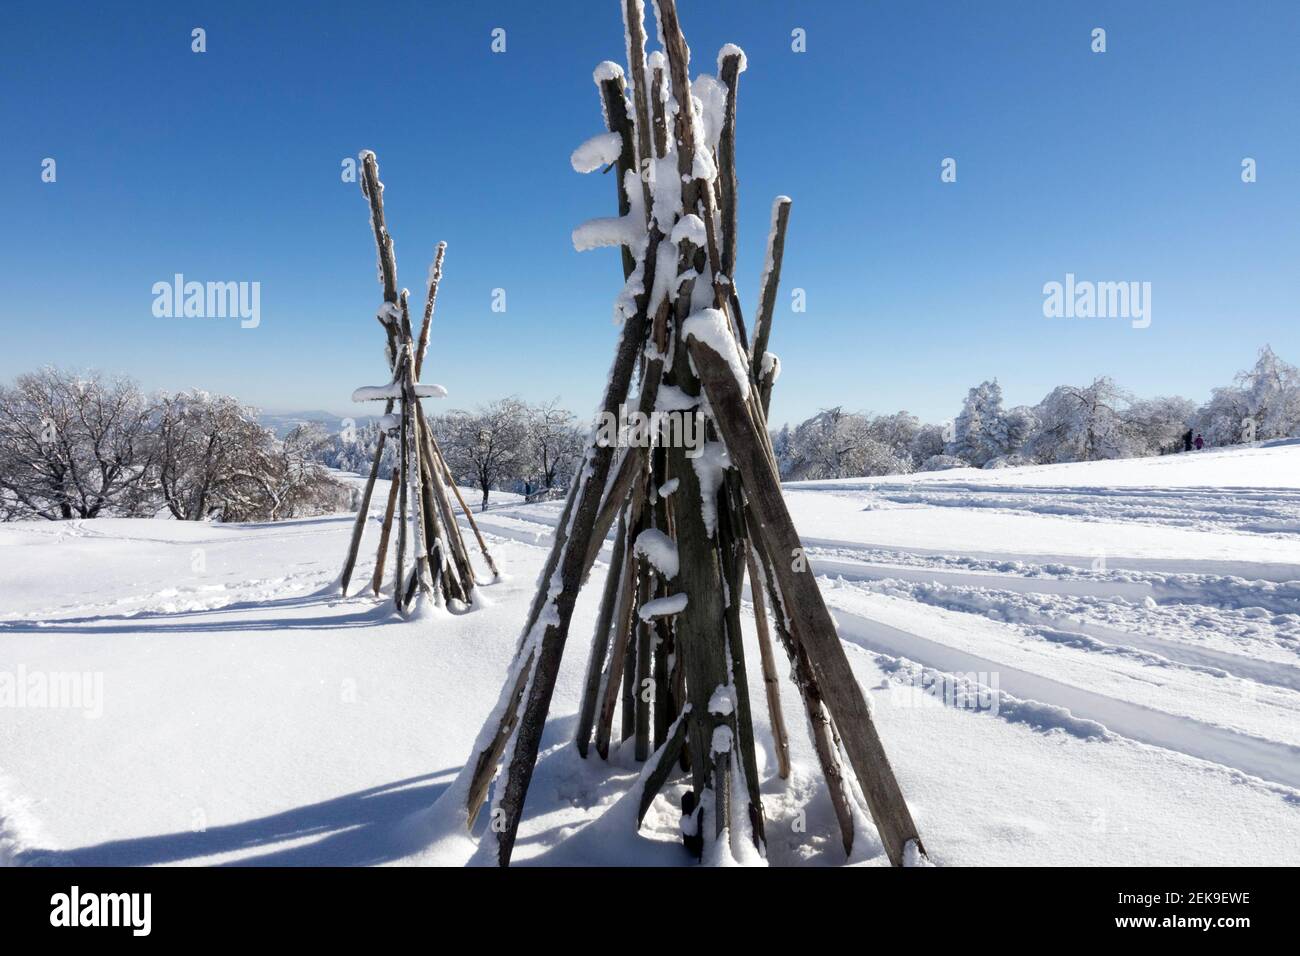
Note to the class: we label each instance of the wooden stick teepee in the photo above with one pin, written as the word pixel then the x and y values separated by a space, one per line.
pixel 691 522
pixel 418 497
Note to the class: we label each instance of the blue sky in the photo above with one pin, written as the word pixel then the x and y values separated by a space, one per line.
pixel 225 166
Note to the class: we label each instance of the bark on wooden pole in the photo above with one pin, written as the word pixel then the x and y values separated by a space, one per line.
pixel 767 290
pixel 385 529
pixel 600 640
pixel 363 510
pixel 771 682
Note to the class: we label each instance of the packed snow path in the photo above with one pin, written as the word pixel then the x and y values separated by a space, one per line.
pixel 1128 684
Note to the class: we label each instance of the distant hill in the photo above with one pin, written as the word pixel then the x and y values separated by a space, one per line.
pixel 281 423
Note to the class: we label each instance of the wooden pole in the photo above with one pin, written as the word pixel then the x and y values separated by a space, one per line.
pixel 624 618
pixel 373 191
pixel 600 640
pixel 729 75
pixel 643 684
pixel 731 561
pixel 385 529
pixel 771 683
pixel 363 510
pixel 399 597
pixel 802 602
pixel 431 298
pixel 767 292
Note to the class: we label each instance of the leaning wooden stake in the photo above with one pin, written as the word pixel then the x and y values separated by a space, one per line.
pixel 802 603
pixel 363 511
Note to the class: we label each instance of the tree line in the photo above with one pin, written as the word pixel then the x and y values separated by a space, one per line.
pixel 503 445
pixel 1071 423
pixel 87 446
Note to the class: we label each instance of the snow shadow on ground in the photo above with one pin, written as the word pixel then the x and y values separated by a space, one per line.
pixel 368 614
pixel 357 829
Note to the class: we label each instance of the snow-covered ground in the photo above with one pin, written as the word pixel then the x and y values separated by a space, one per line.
pixel 1124 638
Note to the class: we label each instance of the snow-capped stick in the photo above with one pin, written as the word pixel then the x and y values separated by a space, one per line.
pixel 614 107
pixel 679 59
pixel 634 35
pixel 729 67
pixel 402 477
pixel 373 190
pixel 802 603
pixel 767 290
pixel 632 464
pixel 600 640
pixel 430 300
pixel 699 649
pixel 821 733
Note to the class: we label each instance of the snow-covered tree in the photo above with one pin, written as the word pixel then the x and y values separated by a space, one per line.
pixel 781 448
pixel 353 449
pixel 1081 423
pixel 839 444
pixel 488 446
pixel 555 444
pixel 1155 426
pixel 1221 420
pixel 1272 392
pixel 926 444
pixel 214 461
pixel 983 430
pixel 73 446
pixel 896 432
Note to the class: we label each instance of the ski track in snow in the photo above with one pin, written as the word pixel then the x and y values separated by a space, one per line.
pixel 1266 759
pixel 1128 606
